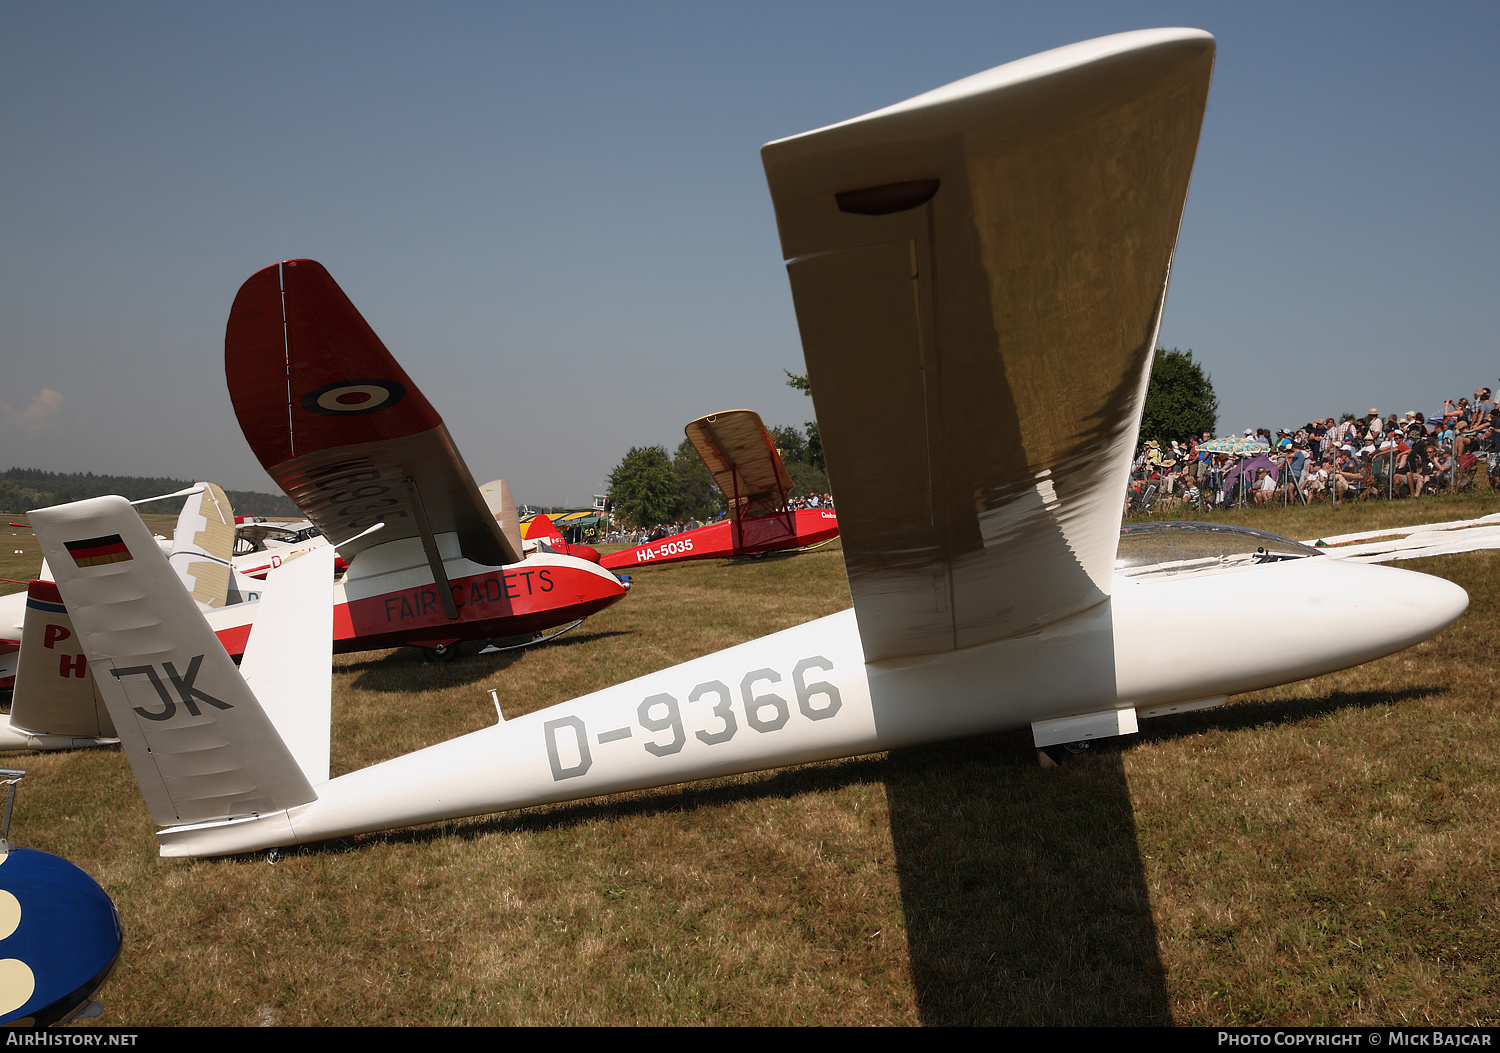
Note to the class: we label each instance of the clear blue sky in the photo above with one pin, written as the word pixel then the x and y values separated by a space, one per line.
pixel 555 216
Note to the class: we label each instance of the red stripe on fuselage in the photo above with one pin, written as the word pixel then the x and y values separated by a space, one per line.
pixel 508 602
pixel 512 601
pixel 748 537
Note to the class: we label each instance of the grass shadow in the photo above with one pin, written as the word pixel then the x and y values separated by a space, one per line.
pixel 775 556
pixel 1255 713
pixel 375 674
pixel 1024 890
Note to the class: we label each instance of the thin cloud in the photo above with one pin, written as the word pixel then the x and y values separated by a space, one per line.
pixel 37 414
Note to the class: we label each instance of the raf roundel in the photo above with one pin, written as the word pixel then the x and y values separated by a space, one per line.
pixel 350 398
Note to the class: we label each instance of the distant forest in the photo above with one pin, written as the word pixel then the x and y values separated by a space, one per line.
pixel 22 489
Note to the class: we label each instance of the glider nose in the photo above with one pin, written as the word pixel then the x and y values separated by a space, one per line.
pixel 1418 607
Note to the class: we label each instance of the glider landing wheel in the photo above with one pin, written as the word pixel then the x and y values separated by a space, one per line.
pixel 441 653
pixel 1055 756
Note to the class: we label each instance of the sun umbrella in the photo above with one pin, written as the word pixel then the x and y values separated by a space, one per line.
pixel 1236 446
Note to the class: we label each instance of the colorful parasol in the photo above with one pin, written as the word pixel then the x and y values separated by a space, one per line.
pixel 1236 446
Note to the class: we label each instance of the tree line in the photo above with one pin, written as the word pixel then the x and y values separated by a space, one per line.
pixel 1180 399
pixel 22 489
pixel 649 486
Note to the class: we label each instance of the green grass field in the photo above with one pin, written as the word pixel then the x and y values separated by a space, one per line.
pixel 1322 853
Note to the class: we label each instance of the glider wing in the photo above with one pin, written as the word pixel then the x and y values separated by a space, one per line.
pixel 741 455
pixel 979 275
pixel 340 426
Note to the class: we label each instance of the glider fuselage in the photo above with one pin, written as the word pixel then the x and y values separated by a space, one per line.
pixel 751 536
pixel 388 598
pixel 807 694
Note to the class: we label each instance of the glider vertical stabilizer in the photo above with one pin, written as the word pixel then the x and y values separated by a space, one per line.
pixel 497 499
pixel 287 661
pixel 200 745
pixel 203 545
pixel 55 704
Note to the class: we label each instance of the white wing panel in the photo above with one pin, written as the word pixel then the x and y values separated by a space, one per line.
pixel 979 275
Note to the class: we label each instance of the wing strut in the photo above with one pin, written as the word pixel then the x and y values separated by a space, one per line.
pixel 429 547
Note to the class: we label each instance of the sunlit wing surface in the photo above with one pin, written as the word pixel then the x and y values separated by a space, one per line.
pixel 339 424
pixel 741 456
pixel 979 275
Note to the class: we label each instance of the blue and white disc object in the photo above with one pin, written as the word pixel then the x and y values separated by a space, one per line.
pixel 59 938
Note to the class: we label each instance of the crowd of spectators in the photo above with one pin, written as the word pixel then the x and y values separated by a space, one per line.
pixel 1327 460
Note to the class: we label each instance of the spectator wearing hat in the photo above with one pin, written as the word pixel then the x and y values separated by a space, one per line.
pixel 1316 480
pixel 1265 487
pixel 1348 475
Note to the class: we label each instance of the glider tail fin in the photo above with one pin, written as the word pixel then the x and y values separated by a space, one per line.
pixel 202 748
pixel 497 498
pixel 543 529
pixel 56 704
pixel 287 658
pixel 203 545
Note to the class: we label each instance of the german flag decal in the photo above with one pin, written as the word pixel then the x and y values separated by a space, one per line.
pixel 97 551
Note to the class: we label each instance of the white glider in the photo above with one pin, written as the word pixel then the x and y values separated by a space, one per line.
pixel 979 275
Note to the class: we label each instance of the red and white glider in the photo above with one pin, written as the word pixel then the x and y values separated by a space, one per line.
pixel 344 431
pixel 741 455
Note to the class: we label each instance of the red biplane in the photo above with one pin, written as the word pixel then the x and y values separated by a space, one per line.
pixel 741 455
pixel 344 431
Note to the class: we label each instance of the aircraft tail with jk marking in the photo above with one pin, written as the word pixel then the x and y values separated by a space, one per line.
pixel 202 747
